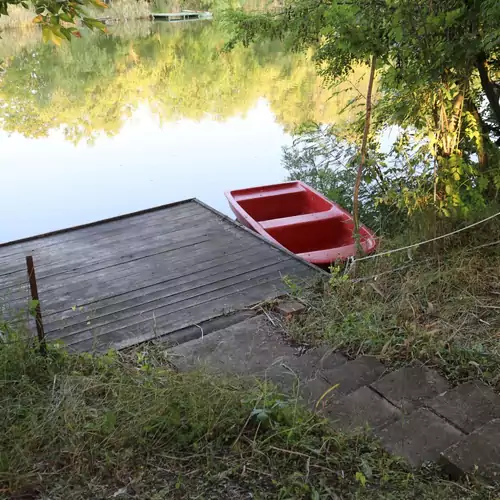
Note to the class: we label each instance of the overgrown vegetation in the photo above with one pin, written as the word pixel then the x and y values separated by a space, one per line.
pixel 438 303
pixel 128 426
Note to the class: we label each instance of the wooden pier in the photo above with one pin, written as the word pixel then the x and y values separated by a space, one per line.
pixel 178 272
pixel 186 15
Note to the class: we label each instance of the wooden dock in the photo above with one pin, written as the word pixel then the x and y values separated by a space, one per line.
pixel 180 271
pixel 186 15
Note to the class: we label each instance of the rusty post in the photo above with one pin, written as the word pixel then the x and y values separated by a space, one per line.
pixel 34 296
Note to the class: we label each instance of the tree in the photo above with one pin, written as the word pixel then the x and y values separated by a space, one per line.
pixel 438 75
pixel 58 18
pixel 364 146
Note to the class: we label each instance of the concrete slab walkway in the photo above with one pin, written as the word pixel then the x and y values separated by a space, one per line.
pixel 414 411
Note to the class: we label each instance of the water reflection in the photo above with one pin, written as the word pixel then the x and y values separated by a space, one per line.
pixel 153 114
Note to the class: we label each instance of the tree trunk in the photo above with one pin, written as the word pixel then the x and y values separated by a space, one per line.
pixel 489 88
pixel 364 147
pixel 483 137
pixel 484 145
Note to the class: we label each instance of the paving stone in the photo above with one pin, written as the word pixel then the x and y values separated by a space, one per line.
pixel 324 357
pixel 354 374
pixel 289 308
pixel 313 361
pixel 307 389
pixel 253 347
pixel 478 452
pixel 468 406
pixel 246 348
pixel 303 373
pixel 419 437
pixel 360 409
pixel 409 387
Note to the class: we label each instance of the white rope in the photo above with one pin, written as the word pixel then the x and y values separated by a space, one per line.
pixel 428 241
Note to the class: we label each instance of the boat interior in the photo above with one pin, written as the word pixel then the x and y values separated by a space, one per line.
pixel 296 217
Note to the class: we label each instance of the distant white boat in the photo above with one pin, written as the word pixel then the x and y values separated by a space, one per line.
pixel 184 15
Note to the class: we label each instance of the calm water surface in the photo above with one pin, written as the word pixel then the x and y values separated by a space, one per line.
pixel 152 114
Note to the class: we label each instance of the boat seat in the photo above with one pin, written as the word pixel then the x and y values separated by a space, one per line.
pixel 300 219
pixel 267 193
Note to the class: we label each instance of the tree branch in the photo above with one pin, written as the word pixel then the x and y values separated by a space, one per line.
pixel 364 146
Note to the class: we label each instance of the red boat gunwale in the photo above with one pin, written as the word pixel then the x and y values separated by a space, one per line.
pixel 297 217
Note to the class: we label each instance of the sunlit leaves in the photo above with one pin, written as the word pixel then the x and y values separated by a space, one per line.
pixel 59 18
pixel 93 23
pixel 430 53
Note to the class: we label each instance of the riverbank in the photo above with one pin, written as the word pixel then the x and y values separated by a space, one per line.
pixel 131 10
pixel 128 424
pixel 125 425
pixel 116 10
pixel 438 304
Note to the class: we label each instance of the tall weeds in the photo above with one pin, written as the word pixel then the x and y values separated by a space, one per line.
pixel 124 10
pixel 439 303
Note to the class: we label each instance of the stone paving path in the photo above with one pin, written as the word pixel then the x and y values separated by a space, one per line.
pixel 414 411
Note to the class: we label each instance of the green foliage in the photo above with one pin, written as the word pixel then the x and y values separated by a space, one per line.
pixel 58 19
pixel 438 81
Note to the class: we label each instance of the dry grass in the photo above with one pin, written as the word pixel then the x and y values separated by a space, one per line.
pixel 79 427
pixel 124 10
pixel 118 10
pixel 18 17
pixel 14 41
pixel 440 305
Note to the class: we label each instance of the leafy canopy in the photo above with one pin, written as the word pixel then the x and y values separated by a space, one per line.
pixel 438 72
pixel 59 18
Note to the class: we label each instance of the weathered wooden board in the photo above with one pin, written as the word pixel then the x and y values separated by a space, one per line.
pixel 122 281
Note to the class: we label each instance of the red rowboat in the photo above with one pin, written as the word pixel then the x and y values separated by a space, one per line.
pixel 300 219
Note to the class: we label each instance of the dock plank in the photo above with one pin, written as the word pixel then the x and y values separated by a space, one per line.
pixel 160 301
pixel 119 294
pixel 230 300
pixel 144 267
pixel 96 260
pixel 152 273
pixel 136 235
pixel 89 232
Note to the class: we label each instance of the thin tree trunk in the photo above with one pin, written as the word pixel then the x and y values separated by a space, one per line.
pixel 364 147
pixel 483 136
pixel 483 147
pixel 489 88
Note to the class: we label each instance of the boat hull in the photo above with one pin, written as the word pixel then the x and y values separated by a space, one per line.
pixel 300 219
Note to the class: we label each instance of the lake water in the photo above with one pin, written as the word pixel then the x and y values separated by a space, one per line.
pixel 151 114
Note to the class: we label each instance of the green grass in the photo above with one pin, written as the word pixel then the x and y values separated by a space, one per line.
pixel 82 426
pixel 440 304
